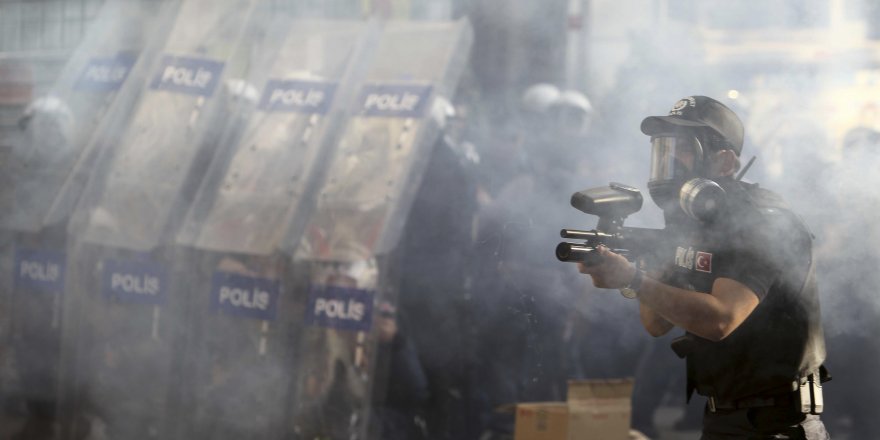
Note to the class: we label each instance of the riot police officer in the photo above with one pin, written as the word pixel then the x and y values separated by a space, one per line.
pixel 736 273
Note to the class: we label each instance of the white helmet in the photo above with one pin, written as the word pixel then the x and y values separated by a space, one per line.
pixel 47 108
pixel 442 111
pixel 574 99
pixel 573 111
pixel 49 125
pixel 539 97
pixel 241 89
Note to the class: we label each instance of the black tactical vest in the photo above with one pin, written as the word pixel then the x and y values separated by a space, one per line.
pixel 782 339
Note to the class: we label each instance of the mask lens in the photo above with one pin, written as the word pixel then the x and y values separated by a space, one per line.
pixel 674 157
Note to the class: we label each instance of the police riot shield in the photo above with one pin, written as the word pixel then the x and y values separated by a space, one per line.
pixel 38 176
pixel 136 195
pixel 59 127
pixel 361 208
pixel 374 173
pixel 250 200
pixel 123 335
pixel 236 238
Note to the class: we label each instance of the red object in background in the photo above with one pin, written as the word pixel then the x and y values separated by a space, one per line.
pixel 16 83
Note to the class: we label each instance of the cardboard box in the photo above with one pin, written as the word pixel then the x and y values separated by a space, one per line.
pixel 595 410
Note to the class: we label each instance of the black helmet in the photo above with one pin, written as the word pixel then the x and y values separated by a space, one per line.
pixel 679 142
pixel 696 112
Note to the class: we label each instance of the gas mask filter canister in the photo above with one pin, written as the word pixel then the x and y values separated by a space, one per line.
pixel 702 199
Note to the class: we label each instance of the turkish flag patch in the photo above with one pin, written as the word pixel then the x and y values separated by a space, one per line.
pixel 704 262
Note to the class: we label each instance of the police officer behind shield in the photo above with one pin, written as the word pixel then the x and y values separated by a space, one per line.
pixel 736 273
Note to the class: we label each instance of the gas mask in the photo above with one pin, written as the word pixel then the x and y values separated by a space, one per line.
pixel 676 182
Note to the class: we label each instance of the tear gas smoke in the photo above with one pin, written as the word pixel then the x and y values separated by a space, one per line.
pixel 491 314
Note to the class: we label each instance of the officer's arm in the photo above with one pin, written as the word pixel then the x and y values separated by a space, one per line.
pixel 655 324
pixel 713 316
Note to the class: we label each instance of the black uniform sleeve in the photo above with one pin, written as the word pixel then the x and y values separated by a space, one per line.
pixel 751 267
pixel 761 248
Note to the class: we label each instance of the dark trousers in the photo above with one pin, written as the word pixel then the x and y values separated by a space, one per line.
pixel 776 423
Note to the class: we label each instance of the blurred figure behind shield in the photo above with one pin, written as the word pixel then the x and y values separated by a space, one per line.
pixel 400 406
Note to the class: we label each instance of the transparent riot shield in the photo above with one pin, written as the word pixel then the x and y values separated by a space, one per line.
pixel 138 190
pixel 361 209
pixel 123 325
pixel 58 133
pixel 59 127
pixel 253 200
pixel 372 177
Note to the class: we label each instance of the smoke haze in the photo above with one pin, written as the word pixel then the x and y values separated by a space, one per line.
pixel 301 236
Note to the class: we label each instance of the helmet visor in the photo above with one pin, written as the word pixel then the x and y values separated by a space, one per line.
pixel 674 157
